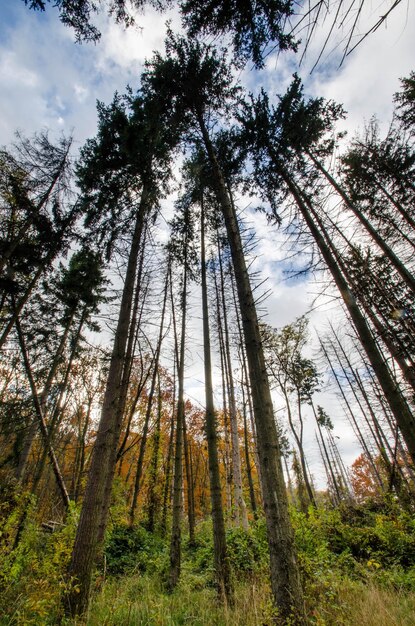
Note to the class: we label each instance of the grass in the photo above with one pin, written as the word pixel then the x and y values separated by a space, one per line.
pixel 141 601
pixel 374 606
pixel 359 571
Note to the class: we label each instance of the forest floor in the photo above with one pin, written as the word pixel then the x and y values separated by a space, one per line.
pixel 140 600
pixel 357 566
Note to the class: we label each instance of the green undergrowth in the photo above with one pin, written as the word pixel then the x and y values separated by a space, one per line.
pixel 32 574
pixel 357 566
pixel 141 600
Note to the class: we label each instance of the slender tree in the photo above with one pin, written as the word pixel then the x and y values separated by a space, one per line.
pixel 201 85
pixel 278 138
pixel 182 251
pixel 110 187
pixel 222 568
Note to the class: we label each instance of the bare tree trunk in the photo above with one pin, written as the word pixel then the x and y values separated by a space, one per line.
pixel 175 542
pixel 222 567
pixel 247 457
pixel 398 405
pixel 303 500
pixel 285 579
pixel 299 441
pixel 129 353
pixel 149 401
pixel 246 385
pixel 189 484
pixel 143 444
pixel 57 411
pixel 167 487
pixel 227 456
pixel 42 424
pixel 389 253
pixel 81 463
pixel 167 470
pixel 28 441
pixel 246 402
pixel 240 512
pixel 153 501
pixel 101 472
pixel 361 438
pixel 331 476
pixel 404 213
pixel 382 443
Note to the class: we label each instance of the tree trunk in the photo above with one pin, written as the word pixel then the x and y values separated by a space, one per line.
pixel 101 472
pixel 299 441
pixel 167 470
pixel 240 513
pixel 222 568
pixel 361 438
pixel 153 501
pixel 227 457
pixel 129 353
pixel 246 402
pixel 285 579
pixel 42 424
pixel 149 402
pixel 398 405
pixel 331 476
pixel 175 542
pixel 189 484
pixel 389 253
pixel 168 467
pixel 28 441
pixel 57 411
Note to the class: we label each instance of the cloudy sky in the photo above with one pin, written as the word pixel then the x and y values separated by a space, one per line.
pixel 48 81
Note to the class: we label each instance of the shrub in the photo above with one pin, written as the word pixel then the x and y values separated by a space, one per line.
pixel 247 550
pixel 131 549
pixel 32 575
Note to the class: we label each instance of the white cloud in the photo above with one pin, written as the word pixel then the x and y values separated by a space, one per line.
pixel 370 75
pixel 11 73
pixel 129 48
pixel 44 75
pixel 81 93
pixel 59 104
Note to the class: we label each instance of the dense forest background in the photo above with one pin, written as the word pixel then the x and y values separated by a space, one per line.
pixel 168 454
